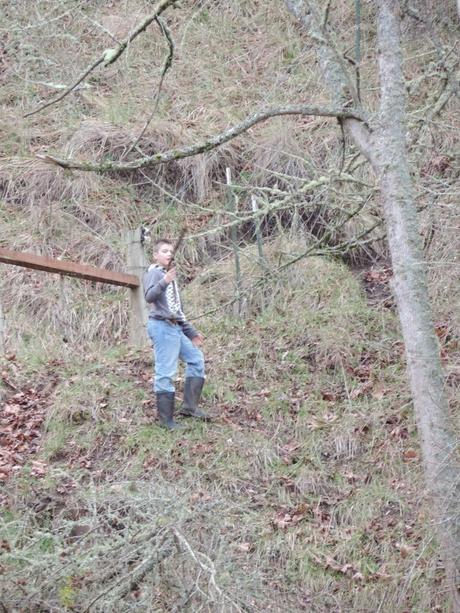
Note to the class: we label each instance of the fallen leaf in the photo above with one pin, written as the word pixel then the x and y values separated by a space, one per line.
pixel 322 422
pixel 281 520
pixel 38 469
pixel 5 545
pixel 410 454
pixel 404 550
pixel 361 390
pixel 328 396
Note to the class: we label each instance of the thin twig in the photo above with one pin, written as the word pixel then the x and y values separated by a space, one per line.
pixel 358 47
pixel 167 65
pixel 109 56
pixel 69 89
pixel 99 25
pixel 326 15
pixel 138 575
pixel 208 568
pixel 327 235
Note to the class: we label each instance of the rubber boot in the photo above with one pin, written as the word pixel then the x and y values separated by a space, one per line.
pixel 192 395
pixel 165 408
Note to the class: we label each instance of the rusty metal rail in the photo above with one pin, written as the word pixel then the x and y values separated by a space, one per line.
pixel 68 268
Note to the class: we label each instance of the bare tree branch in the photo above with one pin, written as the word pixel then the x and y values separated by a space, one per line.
pixel 449 88
pixel 307 13
pixel 358 47
pixel 167 65
pixel 211 143
pixel 205 563
pixel 109 56
pixel 160 551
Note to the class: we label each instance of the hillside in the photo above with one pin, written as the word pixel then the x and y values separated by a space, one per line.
pixel 255 59
pixel 305 492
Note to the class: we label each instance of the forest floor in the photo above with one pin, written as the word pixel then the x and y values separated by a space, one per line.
pixel 304 492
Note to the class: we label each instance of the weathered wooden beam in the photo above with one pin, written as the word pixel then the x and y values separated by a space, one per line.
pixel 68 268
pixel 136 262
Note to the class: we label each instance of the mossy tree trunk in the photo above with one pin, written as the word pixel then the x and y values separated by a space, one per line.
pixel 384 145
pixel 391 165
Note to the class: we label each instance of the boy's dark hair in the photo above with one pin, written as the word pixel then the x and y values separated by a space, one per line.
pixel 160 241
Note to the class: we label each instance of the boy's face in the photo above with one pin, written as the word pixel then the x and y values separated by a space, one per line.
pixel 163 254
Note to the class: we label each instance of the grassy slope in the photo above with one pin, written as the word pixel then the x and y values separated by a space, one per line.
pixel 304 493
pixel 230 58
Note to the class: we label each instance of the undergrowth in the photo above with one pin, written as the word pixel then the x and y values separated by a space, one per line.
pixel 304 493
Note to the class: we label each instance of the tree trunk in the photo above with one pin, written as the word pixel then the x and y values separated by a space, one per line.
pixel 391 164
pixel 385 147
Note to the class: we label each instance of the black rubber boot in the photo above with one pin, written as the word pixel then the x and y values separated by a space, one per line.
pixel 192 395
pixel 165 408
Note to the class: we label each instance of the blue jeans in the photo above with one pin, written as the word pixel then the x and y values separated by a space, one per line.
pixel 169 345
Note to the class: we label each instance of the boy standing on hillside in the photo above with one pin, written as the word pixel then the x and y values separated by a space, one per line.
pixel 173 338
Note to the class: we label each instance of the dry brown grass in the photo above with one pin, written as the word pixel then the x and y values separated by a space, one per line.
pixel 30 184
pixel 304 493
pixel 255 57
pixel 298 429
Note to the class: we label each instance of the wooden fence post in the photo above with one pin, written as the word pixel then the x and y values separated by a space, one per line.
pixel 136 264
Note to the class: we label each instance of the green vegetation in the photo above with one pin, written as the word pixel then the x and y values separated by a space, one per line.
pixel 305 492
pixel 307 480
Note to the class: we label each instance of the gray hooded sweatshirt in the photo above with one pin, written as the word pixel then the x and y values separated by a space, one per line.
pixel 164 299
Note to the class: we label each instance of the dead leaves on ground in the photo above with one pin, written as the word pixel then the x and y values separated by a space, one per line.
pixel 347 569
pixel 287 518
pixel 365 382
pixel 21 418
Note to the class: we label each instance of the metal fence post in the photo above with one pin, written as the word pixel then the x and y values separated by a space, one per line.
pixel 234 238
pixel 2 330
pixel 258 233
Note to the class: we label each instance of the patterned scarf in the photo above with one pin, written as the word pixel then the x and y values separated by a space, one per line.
pixel 173 298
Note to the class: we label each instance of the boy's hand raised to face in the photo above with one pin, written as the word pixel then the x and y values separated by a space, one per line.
pixel 170 275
